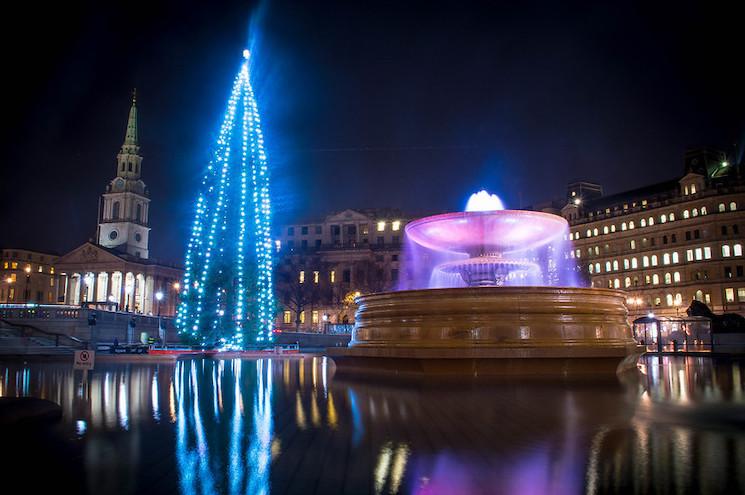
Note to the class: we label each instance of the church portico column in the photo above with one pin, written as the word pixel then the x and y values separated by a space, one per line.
pixel 109 282
pixel 94 292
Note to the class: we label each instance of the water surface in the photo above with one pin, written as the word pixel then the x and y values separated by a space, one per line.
pixel 288 426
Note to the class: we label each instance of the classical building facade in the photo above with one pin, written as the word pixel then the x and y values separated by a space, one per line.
pixel 114 272
pixel 117 269
pixel 668 243
pixel 28 277
pixel 323 265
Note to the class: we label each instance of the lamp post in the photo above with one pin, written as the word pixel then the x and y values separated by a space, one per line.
pixel 159 297
pixel 10 281
pixel 28 277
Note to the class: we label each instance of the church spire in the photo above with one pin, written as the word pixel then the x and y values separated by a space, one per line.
pixel 130 139
pixel 129 159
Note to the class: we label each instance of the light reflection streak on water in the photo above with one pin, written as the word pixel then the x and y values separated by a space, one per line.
pixel 154 397
pixel 260 448
pixel 359 429
pixel 299 412
pixel 123 403
pixel 236 471
pixel 399 467
pixel 324 374
pixel 382 466
pixel 214 393
pixel 202 448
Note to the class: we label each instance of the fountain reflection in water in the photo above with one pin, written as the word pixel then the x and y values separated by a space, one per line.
pixel 487 245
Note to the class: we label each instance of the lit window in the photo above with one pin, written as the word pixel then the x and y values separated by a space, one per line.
pixel 704 211
pixel 643 222
pixel 40 269
pixel 645 261
pixel 675 257
pixel 725 251
pixel 278 245
pixel 693 188
pixel 676 277
pixel 314 317
pixel 605 229
pixel 616 284
pixel 654 260
pixel 623 226
pixel 287 317
pixel 689 255
pixel 597 267
pixel 741 294
pixel 301 278
pixel 666 259
pixel 595 232
pixel 626 264
pixel 633 244
pixel 627 282
pixel 668 278
pixel 686 214
pixel 634 263
pixel 732 206
pixel 302 317
pixel 657 301
pixel 589 268
pixel 685 190
pixel 699 254
pixel 588 233
pixel 612 228
pixel 694 212
pixel 650 222
pixel 655 279
pixel 332 276
pixel 14 265
pixel 597 251
pixel 615 265
pixel 316 276
pixel 396 225
pixel 729 294
pixel 607 266
pixel 707 253
pixel 381 226
pixel 737 250
pixel 671 217
pixel 722 208
pixel 51 270
pixel 577 252
pixel 669 299
pixel 663 218
pixel 631 225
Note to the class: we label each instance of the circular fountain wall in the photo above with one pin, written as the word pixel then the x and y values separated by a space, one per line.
pixel 489 326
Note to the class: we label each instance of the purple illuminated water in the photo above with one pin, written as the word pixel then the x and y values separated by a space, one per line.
pixel 487 245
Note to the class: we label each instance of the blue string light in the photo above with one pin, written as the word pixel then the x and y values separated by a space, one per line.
pixel 228 293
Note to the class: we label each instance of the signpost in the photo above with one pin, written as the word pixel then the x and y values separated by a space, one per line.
pixel 84 360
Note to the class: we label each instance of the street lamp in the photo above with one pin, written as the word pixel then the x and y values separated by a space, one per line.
pixel 159 297
pixel 10 281
pixel 28 278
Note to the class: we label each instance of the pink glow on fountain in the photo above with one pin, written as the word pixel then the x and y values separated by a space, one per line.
pixel 487 245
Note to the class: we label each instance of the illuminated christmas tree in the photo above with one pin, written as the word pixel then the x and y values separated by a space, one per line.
pixel 227 291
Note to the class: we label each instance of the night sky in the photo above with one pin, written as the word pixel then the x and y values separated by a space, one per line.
pixel 409 106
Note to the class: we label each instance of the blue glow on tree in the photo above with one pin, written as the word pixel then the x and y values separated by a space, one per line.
pixel 228 291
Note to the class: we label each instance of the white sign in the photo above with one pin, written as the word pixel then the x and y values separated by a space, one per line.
pixel 84 360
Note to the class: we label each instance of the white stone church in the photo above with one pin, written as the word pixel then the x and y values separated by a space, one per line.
pixel 116 270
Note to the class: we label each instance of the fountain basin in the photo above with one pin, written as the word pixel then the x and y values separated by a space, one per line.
pixel 516 331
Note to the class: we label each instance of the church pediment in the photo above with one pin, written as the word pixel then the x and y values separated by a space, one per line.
pixel 88 254
pixel 347 216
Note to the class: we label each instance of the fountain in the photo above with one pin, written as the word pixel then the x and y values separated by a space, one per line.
pixel 509 307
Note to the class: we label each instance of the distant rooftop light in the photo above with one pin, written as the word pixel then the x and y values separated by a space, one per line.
pixel 483 201
pixel 577 201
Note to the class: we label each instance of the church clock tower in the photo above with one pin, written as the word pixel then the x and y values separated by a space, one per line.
pixel 123 220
